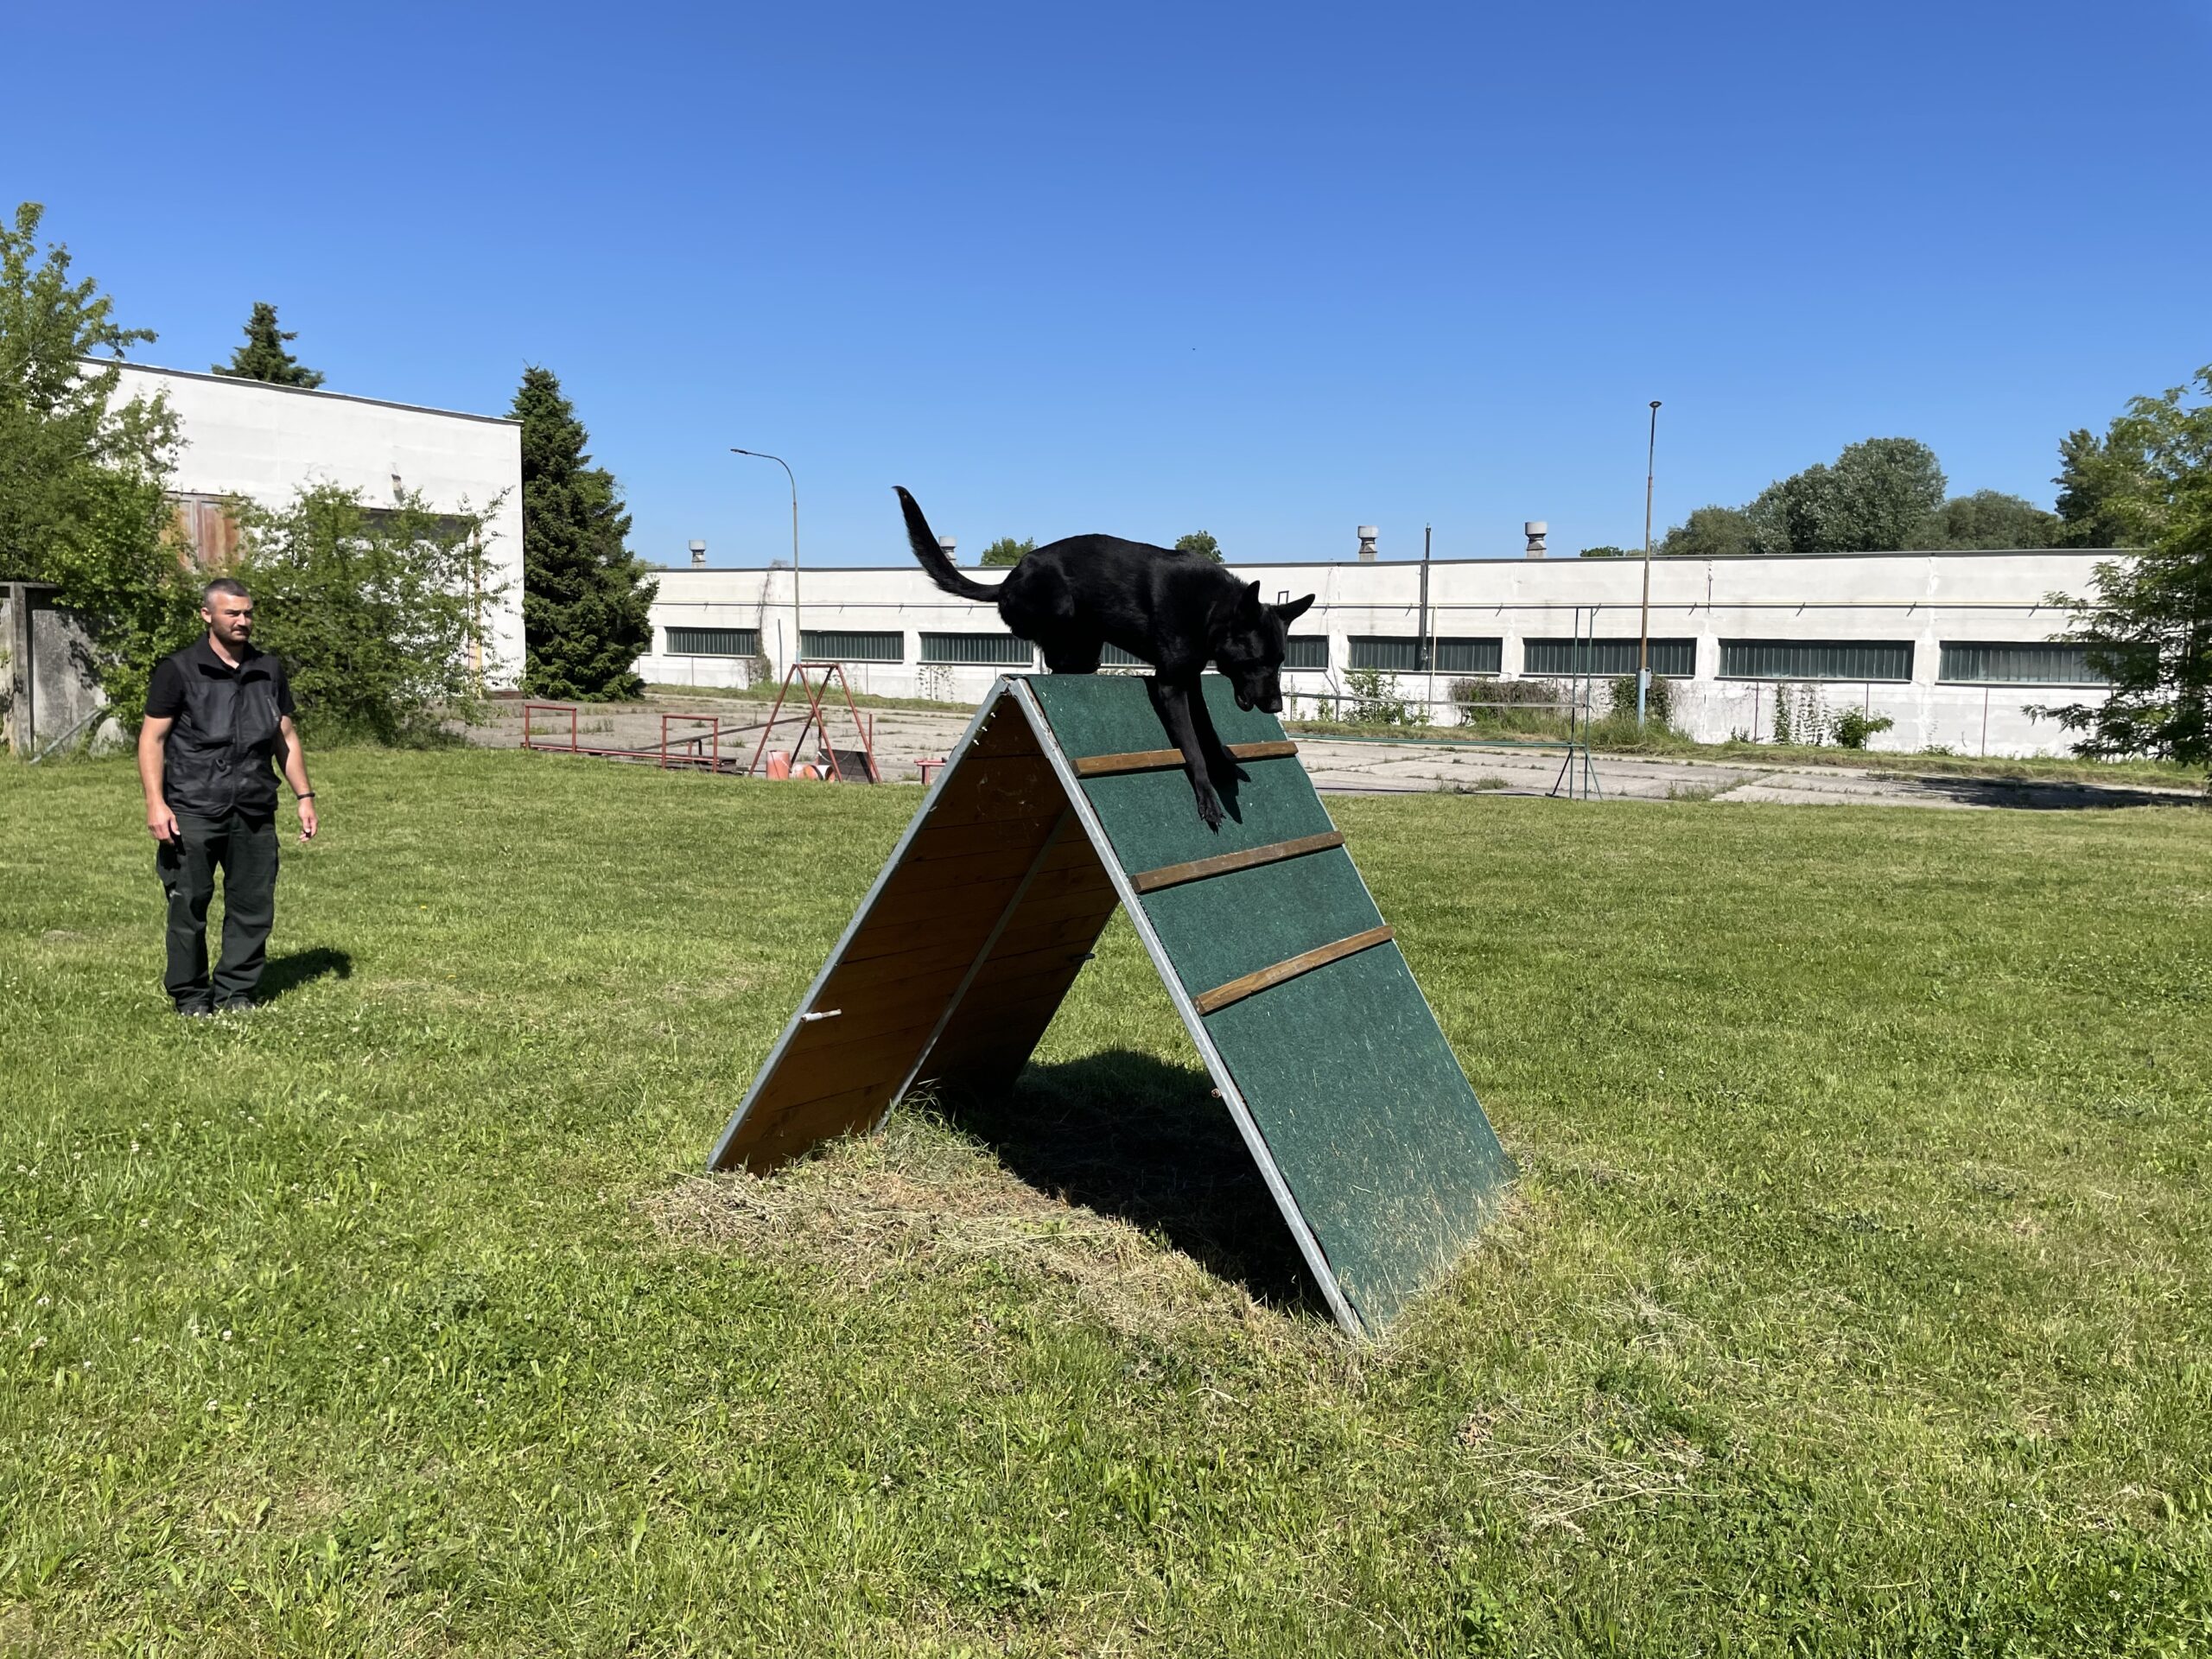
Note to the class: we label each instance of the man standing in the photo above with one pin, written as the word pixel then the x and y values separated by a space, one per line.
pixel 219 713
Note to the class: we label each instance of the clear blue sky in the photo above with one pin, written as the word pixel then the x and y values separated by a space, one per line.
pixel 1272 270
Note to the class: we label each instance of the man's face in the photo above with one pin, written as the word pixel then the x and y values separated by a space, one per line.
pixel 229 618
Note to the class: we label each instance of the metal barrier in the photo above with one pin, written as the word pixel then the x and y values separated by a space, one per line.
pixel 677 750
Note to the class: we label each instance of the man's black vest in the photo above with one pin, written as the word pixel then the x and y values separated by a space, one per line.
pixel 219 753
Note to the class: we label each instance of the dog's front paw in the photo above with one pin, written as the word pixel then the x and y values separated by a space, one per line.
pixel 1209 807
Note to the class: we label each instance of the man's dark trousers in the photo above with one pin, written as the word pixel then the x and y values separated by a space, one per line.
pixel 244 847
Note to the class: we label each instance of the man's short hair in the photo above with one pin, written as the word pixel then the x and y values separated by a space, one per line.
pixel 229 585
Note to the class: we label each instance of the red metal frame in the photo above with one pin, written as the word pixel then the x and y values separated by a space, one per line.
pixel 814 721
pixel 567 709
pixel 710 757
pixel 665 753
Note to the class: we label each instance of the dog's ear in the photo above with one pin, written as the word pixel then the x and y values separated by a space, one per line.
pixel 1296 608
pixel 1249 602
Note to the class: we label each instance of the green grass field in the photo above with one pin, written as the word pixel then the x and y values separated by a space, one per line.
pixel 1856 1297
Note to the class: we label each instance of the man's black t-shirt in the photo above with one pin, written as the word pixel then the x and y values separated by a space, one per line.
pixel 219 753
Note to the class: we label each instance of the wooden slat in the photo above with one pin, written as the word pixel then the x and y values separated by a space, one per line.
pixel 1237 989
pixel 1105 766
pixel 1173 876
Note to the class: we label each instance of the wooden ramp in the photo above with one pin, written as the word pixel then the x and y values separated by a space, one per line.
pixel 1060 803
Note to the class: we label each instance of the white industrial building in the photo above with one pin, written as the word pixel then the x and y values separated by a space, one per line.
pixel 247 438
pixel 1956 647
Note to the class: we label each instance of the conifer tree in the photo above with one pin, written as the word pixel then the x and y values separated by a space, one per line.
pixel 264 357
pixel 586 601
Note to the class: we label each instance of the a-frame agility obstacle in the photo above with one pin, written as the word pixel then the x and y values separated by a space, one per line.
pixel 1059 804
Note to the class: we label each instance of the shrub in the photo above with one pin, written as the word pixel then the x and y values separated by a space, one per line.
pixel 1373 699
pixel 376 612
pixel 82 470
pixel 1498 705
pixel 1852 729
pixel 1658 702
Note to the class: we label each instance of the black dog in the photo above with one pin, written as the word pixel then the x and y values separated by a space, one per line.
pixel 1175 611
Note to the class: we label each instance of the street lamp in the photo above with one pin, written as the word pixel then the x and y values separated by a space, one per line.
pixel 1643 631
pixel 798 645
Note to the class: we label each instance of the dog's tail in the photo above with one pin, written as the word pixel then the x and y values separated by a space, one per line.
pixel 942 570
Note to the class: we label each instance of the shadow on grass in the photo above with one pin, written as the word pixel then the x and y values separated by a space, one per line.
pixel 1134 1137
pixel 2034 795
pixel 294 969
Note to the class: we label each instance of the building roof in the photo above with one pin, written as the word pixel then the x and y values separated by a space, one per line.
pixel 300 391
pixel 1567 561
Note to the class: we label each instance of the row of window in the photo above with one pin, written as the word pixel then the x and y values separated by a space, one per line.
pixel 1963 662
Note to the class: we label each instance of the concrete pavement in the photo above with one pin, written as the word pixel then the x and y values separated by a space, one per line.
pixel 1363 767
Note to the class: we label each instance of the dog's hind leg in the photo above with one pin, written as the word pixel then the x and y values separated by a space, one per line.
pixel 1172 702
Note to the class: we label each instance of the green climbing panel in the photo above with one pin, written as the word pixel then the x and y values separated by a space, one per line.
pixel 1343 1070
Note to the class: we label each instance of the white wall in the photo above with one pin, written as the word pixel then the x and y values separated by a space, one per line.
pixel 1926 598
pixel 264 443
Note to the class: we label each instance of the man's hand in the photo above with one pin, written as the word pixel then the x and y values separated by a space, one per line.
pixel 160 822
pixel 307 820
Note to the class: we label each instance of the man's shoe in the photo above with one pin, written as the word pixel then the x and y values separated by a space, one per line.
pixel 235 1005
pixel 196 1010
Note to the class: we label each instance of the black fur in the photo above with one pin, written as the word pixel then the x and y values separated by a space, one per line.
pixel 1175 611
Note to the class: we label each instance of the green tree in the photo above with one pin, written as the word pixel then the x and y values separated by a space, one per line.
pixel 376 612
pixel 1608 552
pixel 264 357
pixel 586 600
pixel 1990 518
pixel 1007 550
pixel 2120 490
pixel 82 476
pixel 1201 542
pixel 1875 498
pixel 1712 533
pixel 2147 622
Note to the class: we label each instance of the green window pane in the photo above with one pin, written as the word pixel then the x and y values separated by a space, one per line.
pixel 989 649
pixel 1461 656
pixel 713 642
pixel 849 645
pixel 1402 654
pixel 1397 652
pixel 1115 657
pixel 2008 663
pixel 1816 659
pixel 1671 659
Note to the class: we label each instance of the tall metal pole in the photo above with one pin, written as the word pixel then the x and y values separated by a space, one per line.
pixel 1643 628
pixel 1427 640
pixel 798 626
